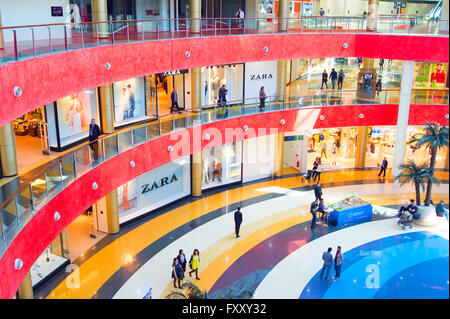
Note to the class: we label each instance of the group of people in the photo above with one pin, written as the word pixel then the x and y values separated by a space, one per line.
pixel 334 77
pixel 318 206
pixel 179 266
pixel 316 171
pixel 328 259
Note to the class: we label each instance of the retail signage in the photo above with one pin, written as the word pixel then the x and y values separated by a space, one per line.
pixel 57 11
pixel 158 184
pixel 257 75
pixel 262 76
pixel 175 72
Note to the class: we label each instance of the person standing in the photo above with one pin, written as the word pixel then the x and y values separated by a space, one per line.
pixel 262 99
pixel 333 77
pixel 315 166
pixel 381 63
pixel 327 258
pixel 94 134
pixel 182 260
pixel 174 98
pixel 206 91
pixel 324 149
pixel 240 15
pixel 177 273
pixel 441 210
pixel 132 102
pixel 318 191
pixel 324 79
pixel 318 172
pixel 341 77
pixel 338 260
pixel 313 210
pixel 321 209
pixel 383 167
pixel 333 152
pixel 322 12
pixel 378 88
pixel 194 263
pixel 237 221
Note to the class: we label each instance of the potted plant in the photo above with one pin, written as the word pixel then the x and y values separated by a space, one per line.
pixel 417 174
pixel 434 138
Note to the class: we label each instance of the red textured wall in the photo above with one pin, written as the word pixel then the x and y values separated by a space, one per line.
pixel 47 78
pixel 78 196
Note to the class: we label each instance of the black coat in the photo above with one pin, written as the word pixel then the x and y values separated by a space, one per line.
pixel 237 217
pixel 95 133
pixel 183 264
pixel 318 191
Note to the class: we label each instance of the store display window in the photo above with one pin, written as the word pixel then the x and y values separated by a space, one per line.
pixel 129 101
pixel 154 189
pixel 430 75
pixel 221 165
pixel 214 77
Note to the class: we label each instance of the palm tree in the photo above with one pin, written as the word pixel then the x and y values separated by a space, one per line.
pixel 434 138
pixel 416 174
pixel 193 292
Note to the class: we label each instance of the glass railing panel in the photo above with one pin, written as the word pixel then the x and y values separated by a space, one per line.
pixel 110 147
pixel 140 134
pixel 25 44
pixel 88 33
pixel 39 191
pixel 208 114
pixel 10 221
pixel 75 36
pixel 125 140
pixel 180 121
pixel 58 38
pixel 24 205
pixel 167 125
pixel 54 179
pixel 153 130
pixel 83 160
pixel 68 169
pixel 194 118
pixel 102 33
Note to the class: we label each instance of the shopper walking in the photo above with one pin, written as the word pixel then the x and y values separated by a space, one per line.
pixel 324 150
pixel 324 79
pixel 341 77
pixel 383 167
pixel 381 63
pixel 194 263
pixel 338 260
pixel 318 171
pixel 174 99
pixel 378 88
pixel 333 77
pixel 182 260
pixel 262 99
pixel 237 221
pixel 313 210
pixel 318 191
pixel 177 273
pixel 94 134
pixel 327 258
pixel 333 152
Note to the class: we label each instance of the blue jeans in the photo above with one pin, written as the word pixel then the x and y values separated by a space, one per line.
pixel 327 267
pixel 313 222
pixel 338 270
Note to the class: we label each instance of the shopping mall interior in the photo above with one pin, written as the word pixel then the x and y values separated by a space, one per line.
pixel 300 148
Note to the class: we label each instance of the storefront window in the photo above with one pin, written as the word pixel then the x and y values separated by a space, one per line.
pixel 151 95
pixel 430 75
pixel 215 76
pixel 129 101
pixel 154 189
pixel 381 143
pixel 221 165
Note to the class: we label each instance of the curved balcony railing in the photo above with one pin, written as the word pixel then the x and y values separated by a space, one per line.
pixel 28 194
pixel 23 42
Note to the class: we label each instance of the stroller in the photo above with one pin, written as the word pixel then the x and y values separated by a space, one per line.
pixel 405 221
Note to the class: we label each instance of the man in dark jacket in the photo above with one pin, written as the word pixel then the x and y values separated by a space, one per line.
pixel 313 210
pixel 237 221
pixel 318 191
pixel 333 77
pixel 174 99
pixel 182 259
pixel 324 79
pixel 383 167
pixel 94 134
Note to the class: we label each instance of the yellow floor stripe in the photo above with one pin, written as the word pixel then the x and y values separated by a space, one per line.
pixel 118 253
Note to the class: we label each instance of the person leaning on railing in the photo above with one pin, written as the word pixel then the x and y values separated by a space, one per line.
pixel 94 134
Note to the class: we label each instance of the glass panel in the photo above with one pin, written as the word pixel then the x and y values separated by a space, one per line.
pixel 39 191
pixel 24 43
pixel 139 135
pixel 10 223
pixel 125 140
pixel 110 147
pixel 54 180
pixel 82 162
pixel 68 169
pixel 153 130
pixel 194 118
pixel 166 124
pixel 180 121
pixel 24 206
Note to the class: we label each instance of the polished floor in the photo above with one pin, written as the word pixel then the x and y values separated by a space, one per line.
pixel 276 239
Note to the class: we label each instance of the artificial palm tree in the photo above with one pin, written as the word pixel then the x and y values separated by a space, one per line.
pixel 193 292
pixel 416 174
pixel 434 138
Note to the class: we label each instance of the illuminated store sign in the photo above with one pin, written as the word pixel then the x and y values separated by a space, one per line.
pixel 158 184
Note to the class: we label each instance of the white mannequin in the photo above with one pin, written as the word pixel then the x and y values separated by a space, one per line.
pixel 205 170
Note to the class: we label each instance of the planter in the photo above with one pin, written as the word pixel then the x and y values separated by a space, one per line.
pixel 428 216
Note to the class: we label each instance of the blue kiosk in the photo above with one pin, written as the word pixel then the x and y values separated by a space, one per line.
pixel 349 210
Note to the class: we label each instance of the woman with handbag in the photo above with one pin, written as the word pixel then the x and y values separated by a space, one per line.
pixel 194 263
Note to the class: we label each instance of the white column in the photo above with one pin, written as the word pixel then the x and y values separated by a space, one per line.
pixel 443 26
pixel 304 152
pixel 403 115
pixel 172 15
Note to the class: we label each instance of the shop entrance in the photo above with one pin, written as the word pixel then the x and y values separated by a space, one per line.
pixel 165 82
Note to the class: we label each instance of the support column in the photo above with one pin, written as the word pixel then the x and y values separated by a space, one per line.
pixel 279 148
pixel 25 290
pixel 372 15
pixel 2 40
pixel 100 14
pixel 196 175
pixel 293 90
pixel 196 88
pixel 112 212
pixel 107 108
pixel 283 14
pixel 195 12
pixel 281 79
pixel 172 15
pixel 8 151
pixel 446 166
pixel 403 115
pixel 361 147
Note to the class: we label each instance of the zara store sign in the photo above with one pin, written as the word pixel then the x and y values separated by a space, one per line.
pixel 159 183
pixel 259 74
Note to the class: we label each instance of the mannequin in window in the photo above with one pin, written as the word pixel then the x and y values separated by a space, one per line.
pixel 205 171
pixel 217 170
